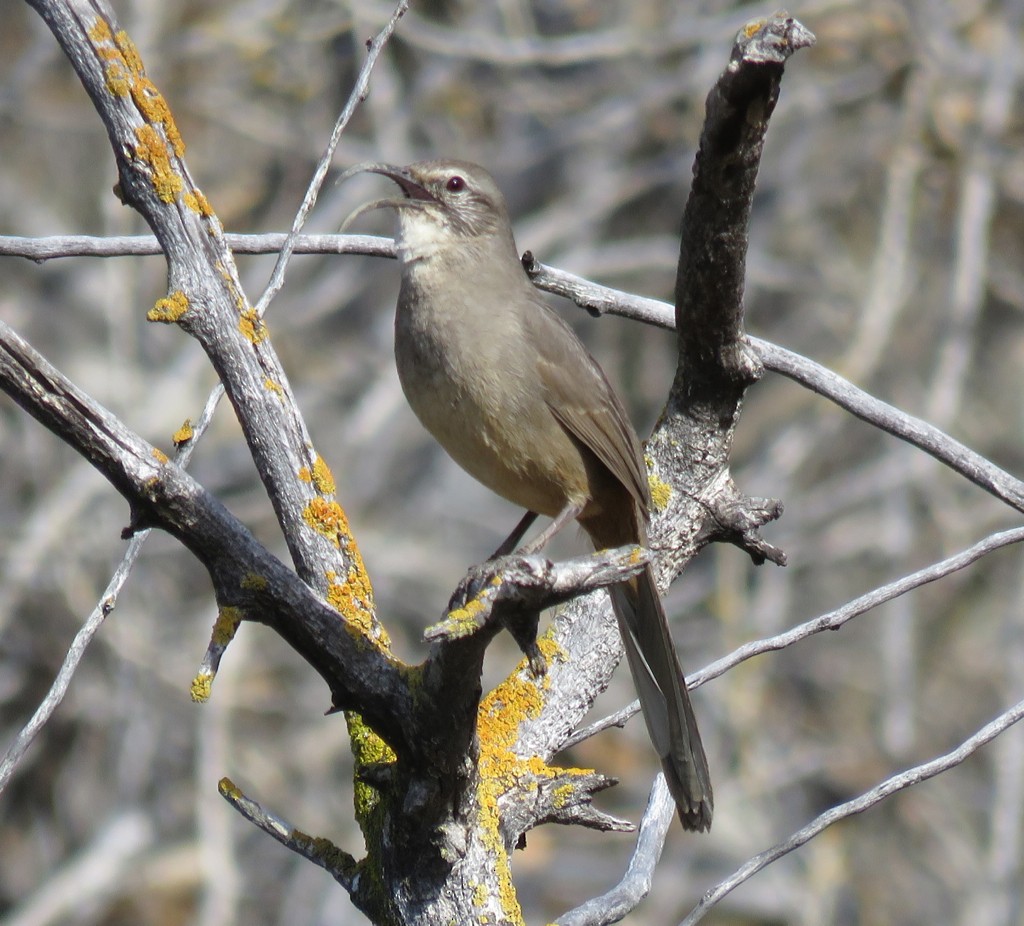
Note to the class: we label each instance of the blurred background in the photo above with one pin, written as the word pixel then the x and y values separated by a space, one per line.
pixel 887 243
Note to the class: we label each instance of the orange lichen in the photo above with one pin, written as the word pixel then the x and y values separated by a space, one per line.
pixel 352 599
pixel 498 719
pixel 198 203
pixel 124 75
pixel 169 309
pixel 252 326
pixel 327 518
pixel 184 434
pixel 152 149
pixel 323 478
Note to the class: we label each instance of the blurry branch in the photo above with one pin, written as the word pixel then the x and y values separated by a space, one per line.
pixel 338 863
pixel 72 658
pixel 92 877
pixel 374 47
pixel 161 494
pixel 559 51
pixel 50 248
pixel 635 885
pixel 832 620
pixel 107 603
pixel 866 801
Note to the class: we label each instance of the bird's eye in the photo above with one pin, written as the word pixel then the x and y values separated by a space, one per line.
pixel 455 184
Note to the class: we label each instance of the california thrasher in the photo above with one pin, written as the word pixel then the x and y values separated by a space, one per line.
pixel 513 396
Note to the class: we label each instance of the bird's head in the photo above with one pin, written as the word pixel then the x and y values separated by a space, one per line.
pixel 444 203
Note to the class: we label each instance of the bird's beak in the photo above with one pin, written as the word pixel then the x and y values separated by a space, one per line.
pixel 411 187
pixel 415 193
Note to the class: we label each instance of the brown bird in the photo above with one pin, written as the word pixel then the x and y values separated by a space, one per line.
pixel 514 397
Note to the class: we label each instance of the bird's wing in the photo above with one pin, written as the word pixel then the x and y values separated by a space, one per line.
pixel 584 403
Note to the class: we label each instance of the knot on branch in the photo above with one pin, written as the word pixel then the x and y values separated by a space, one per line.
pixel 770 41
pixel 565 797
pixel 737 519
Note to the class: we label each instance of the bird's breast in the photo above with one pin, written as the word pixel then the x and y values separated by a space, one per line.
pixel 463 369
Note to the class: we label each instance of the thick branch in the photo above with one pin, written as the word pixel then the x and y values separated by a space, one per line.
pixel 244 573
pixel 712 256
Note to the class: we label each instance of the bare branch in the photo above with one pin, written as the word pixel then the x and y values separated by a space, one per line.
pixel 866 801
pixel 18 748
pixel 316 849
pixel 832 620
pixel 374 47
pixel 635 885
pixel 51 248
pixel 244 573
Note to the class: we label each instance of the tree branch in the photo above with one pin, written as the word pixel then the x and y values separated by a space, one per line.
pixel 245 575
pixel 859 804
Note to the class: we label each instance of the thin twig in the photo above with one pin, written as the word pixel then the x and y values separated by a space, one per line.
pixel 869 799
pixel 320 851
pixel 636 883
pixel 108 601
pixel 374 47
pixel 56 246
pixel 833 620
pixel 76 651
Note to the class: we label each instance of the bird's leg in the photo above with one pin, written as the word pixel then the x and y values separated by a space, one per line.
pixel 512 540
pixel 569 513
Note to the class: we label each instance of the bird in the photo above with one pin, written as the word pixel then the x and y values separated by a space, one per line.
pixel 506 387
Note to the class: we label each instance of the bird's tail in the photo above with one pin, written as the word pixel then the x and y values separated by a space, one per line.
pixel 663 697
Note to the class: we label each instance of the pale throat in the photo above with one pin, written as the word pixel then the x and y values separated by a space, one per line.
pixel 420 237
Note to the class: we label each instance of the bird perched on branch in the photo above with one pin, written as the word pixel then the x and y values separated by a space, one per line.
pixel 513 396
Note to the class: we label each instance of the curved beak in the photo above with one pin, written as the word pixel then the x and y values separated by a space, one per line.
pixel 411 187
pixel 414 193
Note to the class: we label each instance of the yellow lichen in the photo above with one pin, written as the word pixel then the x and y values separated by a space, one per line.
pixel 229 789
pixel 184 434
pixel 752 28
pixel 498 719
pixel 333 857
pixel 661 492
pixel 274 387
pixel 198 203
pixel 368 749
pixel 352 599
pixel 152 149
pixel 323 478
pixel 254 582
pixel 226 625
pixel 159 456
pixel 169 309
pixel 252 326
pixel 200 688
pixel 462 621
